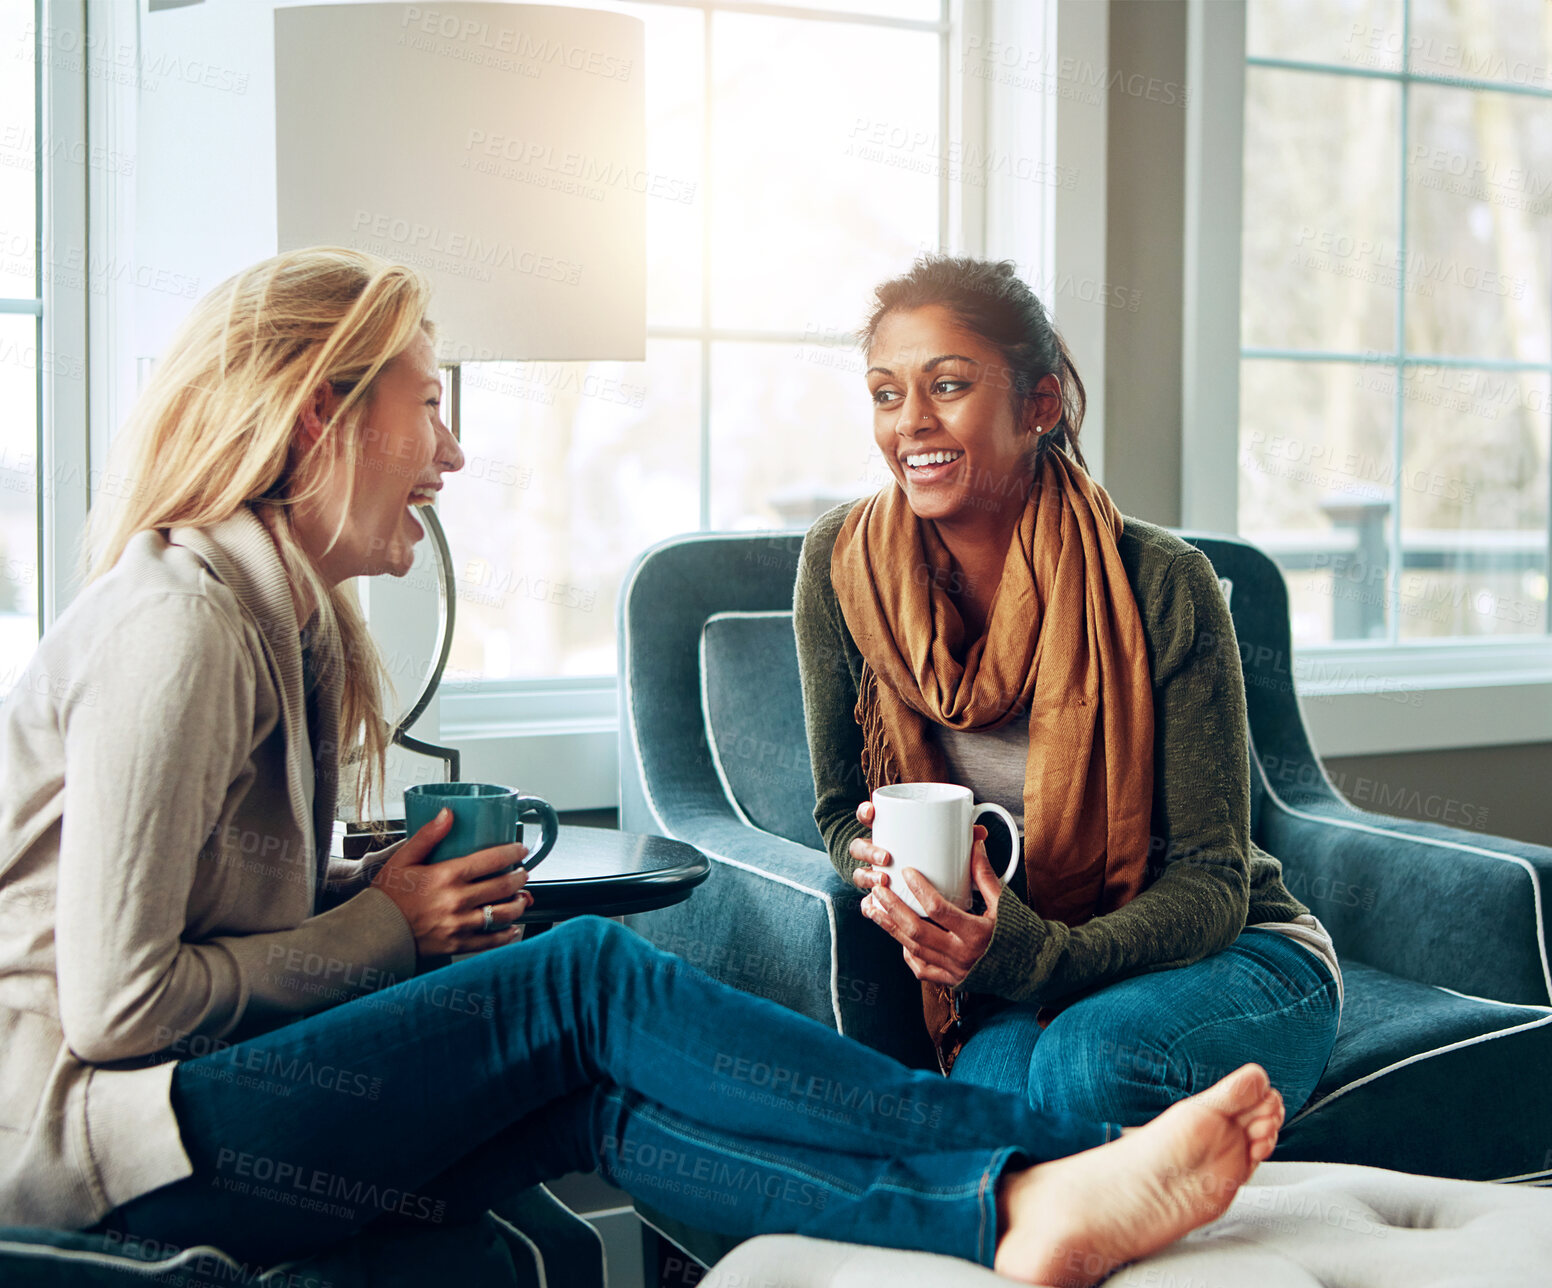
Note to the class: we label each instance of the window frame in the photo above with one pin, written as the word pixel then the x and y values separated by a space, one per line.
pixel 1359 697
pixel 64 447
pixel 559 735
pixel 33 306
pixel 573 721
pixel 62 456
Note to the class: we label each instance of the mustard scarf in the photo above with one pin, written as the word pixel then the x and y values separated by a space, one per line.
pixel 1063 641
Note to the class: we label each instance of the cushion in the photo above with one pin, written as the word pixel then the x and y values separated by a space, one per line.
pixel 1392 1093
pixel 752 698
pixel 1296 1225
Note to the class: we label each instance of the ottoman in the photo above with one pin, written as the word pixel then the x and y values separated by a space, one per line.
pixel 1295 1225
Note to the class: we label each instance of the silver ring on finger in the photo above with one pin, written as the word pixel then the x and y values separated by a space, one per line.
pixel 490 918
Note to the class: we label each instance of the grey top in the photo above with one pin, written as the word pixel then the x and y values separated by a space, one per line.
pixel 990 763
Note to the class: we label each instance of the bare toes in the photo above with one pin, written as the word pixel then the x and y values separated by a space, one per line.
pixel 1243 1090
pixel 1270 1109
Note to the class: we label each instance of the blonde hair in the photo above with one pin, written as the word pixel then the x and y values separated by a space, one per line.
pixel 215 430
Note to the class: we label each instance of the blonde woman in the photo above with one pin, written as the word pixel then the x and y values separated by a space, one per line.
pixel 210 1034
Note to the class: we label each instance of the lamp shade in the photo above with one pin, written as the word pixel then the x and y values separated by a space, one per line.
pixel 498 148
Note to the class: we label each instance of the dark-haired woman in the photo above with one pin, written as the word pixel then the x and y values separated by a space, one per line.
pixel 209 1033
pixel 1005 628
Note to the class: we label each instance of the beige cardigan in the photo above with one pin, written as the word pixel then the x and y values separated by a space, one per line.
pixel 160 883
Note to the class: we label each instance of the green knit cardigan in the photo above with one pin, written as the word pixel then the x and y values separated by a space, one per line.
pixel 1207 880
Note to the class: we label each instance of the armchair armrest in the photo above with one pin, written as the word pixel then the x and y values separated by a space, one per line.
pixel 775 919
pixel 1431 903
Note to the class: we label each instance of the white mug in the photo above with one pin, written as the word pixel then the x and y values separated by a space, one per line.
pixel 926 826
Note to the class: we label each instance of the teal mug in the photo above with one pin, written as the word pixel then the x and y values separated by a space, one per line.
pixel 484 814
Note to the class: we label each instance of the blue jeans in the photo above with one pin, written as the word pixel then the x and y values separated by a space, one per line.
pixel 1129 1051
pixel 584 1049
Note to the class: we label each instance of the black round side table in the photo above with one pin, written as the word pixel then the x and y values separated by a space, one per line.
pixel 607 873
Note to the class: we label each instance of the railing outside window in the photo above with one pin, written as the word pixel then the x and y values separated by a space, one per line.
pixel 1396 374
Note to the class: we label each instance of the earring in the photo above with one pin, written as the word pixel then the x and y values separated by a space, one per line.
pixel 1038 430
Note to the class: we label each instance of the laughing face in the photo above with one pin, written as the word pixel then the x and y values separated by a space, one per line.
pixel 945 417
pixel 405 451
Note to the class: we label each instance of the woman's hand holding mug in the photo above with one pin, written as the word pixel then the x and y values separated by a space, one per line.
pixel 942 947
pixel 444 902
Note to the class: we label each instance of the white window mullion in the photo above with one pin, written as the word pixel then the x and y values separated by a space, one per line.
pixel 63 458
pixel 963 205
pixel 946 168
pixel 1016 121
pixel 1398 424
pixel 1210 337
pixel 112 107
pixel 1078 227
pixel 708 89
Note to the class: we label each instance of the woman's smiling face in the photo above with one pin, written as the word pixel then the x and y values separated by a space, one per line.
pixel 360 524
pixel 946 418
pixel 407 449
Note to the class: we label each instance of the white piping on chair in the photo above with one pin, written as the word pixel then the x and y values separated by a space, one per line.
pixel 603 1250
pixel 628 710
pixel 1321 821
pixel 1491 1001
pixel 663 1234
pixel 1542 1177
pixel 533 1248
pixel 711 734
pixel 1419 1057
pixel 1458 846
pixel 120 1263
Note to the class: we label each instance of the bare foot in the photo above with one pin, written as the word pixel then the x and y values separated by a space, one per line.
pixel 1073 1221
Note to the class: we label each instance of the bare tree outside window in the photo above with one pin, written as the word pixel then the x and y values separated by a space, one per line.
pixel 1396 315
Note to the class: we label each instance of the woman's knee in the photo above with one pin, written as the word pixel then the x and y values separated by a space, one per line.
pixel 585 935
pixel 1104 1074
pixel 596 943
pixel 997 1054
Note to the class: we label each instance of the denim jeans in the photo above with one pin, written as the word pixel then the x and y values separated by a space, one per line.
pixel 1127 1052
pixel 583 1049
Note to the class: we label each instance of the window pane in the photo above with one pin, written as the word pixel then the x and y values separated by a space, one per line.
pixel 1315 486
pixel 826 153
pixel 572 468
pixel 18 495
pixel 1474 503
pixel 676 186
pixel 1479 191
pixel 1321 240
pixel 1354 33
pixel 791 434
pixel 18 175
pixel 923 9
pixel 1507 40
